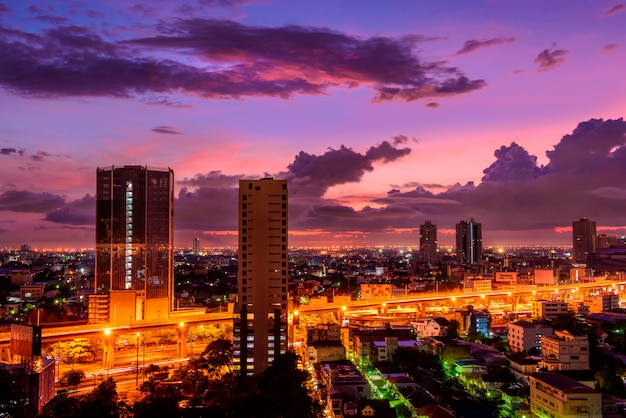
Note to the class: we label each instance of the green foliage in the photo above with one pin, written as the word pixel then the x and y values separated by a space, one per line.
pixel 610 381
pixel 412 360
pixel 156 407
pixel 453 328
pixel 72 378
pixel 218 356
pixel 74 351
pixel 101 402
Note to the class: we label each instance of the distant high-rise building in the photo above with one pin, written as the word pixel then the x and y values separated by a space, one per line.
pixel 428 242
pixel 135 241
pixel 260 322
pixel 584 238
pixel 469 241
pixel 196 246
pixel 609 241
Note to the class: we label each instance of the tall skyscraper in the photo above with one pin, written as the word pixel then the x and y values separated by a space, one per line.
pixel 428 243
pixel 196 246
pixel 260 323
pixel 135 241
pixel 469 241
pixel 584 238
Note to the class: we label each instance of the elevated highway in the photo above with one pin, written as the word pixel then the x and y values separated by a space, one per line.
pixel 182 320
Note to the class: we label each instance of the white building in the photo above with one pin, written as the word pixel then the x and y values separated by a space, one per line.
pixel 525 335
pixel 431 327
pixel 565 351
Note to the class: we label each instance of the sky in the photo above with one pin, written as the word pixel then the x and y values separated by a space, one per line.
pixel 380 114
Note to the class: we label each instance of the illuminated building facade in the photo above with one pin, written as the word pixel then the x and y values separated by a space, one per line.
pixel 260 323
pixel 135 241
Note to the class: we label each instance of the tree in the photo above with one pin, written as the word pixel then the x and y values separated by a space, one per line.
pixel 72 378
pixel 73 351
pixel 101 402
pixel 219 356
pixel 453 328
pixel 285 386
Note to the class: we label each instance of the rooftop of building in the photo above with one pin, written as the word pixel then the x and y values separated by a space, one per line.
pixel 529 324
pixel 563 383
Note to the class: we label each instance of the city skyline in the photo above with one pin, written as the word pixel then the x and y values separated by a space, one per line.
pixel 379 118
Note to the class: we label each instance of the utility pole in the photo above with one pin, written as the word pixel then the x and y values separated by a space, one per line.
pixel 137 361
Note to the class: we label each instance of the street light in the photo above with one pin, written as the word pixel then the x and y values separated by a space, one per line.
pixel 137 361
pixel 107 355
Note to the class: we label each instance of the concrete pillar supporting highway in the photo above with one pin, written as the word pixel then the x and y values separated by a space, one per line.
pixel 6 354
pixel 515 301
pixel 108 350
pixel 182 332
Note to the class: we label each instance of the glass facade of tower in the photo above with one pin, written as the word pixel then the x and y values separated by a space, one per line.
pixel 469 242
pixel 134 230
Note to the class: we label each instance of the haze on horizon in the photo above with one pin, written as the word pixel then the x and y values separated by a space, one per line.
pixel 380 117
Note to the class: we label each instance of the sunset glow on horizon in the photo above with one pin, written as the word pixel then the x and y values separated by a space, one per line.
pixel 380 116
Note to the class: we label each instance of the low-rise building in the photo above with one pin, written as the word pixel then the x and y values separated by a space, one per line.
pixel 526 335
pixel 431 326
pixel 32 292
pixel 550 309
pixel 553 395
pixel 320 351
pixel 603 302
pixel 565 351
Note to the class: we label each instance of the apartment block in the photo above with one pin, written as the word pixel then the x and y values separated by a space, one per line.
pixel 524 335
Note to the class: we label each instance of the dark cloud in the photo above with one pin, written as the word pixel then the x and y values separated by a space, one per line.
pixel 40 156
pixel 594 145
pixel 5 8
pixel 449 87
pixel 549 59
pixel 312 175
pixel 473 44
pixel 24 201
pixel 433 105
pixel 94 14
pixel 400 139
pixel 615 10
pixel 609 48
pixel 583 177
pixel 241 61
pixel 9 151
pixel 210 208
pixel 224 3
pixel 165 130
pixel 35 9
pixel 54 20
pixel 513 164
pixel 213 179
pixel 77 212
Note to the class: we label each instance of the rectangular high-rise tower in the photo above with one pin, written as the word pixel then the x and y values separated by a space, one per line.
pixel 469 242
pixel 135 241
pixel 584 238
pixel 260 324
pixel 428 242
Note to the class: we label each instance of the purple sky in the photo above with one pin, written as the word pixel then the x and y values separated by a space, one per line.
pixel 381 115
